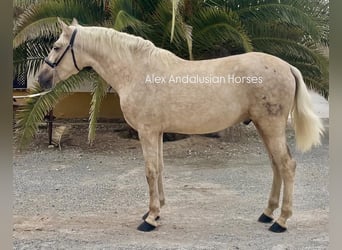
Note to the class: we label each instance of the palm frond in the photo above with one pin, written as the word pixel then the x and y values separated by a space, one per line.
pixel 175 4
pixel 188 36
pixel 124 20
pixel 42 28
pixel 276 30
pixel 286 49
pixel 185 28
pixel 99 91
pixel 30 115
pixel 319 10
pixel 280 13
pixel 86 12
pixel 214 28
pixel 24 3
pixel 162 25
pixel 28 57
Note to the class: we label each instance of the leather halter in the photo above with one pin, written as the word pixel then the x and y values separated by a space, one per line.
pixel 70 46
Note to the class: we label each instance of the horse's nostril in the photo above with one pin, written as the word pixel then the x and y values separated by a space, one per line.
pixel 45 81
pixel 40 79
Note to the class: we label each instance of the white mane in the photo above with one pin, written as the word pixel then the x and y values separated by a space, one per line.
pixel 125 46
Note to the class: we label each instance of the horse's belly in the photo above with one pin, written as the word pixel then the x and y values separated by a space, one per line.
pixel 197 128
pixel 201 123
pixel 188 110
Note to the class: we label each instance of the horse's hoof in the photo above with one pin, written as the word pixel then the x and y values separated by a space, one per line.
pixel 265 219
pixel 146 227
pixel 276 228
pixel 145 216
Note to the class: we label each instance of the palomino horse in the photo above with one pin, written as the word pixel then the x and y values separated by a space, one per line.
pixel 160 92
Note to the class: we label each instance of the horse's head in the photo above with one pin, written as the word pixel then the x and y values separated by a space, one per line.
pixel 61 62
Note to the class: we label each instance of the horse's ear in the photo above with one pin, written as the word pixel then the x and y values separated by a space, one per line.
pixel 74 22
pixel 64 27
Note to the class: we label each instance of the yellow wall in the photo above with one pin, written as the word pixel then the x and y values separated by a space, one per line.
pixel 77 105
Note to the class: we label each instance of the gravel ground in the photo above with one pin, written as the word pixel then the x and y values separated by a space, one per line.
pixel 84 197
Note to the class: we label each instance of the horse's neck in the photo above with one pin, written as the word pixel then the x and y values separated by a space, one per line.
pixel 119 61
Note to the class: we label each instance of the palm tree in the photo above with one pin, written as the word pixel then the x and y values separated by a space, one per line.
pixel 294 30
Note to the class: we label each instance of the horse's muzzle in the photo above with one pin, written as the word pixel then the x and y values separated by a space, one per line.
pixel 45 78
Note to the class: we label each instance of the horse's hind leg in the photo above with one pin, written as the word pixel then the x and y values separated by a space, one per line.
pixel 283 165
pixel 273 201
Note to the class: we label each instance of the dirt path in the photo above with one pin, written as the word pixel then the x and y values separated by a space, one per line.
pixel 93 198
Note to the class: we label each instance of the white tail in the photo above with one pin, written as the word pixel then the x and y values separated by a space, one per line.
pixel 307 125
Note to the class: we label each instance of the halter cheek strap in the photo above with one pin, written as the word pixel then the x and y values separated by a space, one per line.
pixel 71 47
pixel 71 44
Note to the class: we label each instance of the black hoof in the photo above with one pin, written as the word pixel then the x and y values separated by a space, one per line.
pixel 145 227
pixel 145 216
pixel 265 219
pixel 276 228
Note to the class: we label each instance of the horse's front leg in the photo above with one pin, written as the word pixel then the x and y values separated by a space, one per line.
pixel 160 177
pixel 149 142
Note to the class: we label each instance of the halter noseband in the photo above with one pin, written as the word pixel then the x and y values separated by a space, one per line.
pixel 70 46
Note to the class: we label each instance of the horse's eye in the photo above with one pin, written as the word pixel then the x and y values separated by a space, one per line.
pixel 56 48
